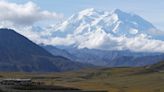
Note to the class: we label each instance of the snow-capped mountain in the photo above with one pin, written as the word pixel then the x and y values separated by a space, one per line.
pixel 114 30
pixel 115 22
pixel 112 38
pixel 96 29
pixel 105 38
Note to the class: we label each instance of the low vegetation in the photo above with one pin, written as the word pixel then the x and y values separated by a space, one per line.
pixel 107 79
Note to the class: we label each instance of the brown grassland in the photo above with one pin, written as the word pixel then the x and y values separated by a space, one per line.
pixel 109 79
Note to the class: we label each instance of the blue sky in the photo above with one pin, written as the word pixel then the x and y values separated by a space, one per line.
pixel 151 10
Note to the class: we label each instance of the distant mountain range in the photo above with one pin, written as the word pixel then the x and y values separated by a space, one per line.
pixel 17 53
pixel 111 58
pixel 106 38
pixel 102 38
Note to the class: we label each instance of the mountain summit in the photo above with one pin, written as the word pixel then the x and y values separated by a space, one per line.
pixel 116 22
pixel 114 30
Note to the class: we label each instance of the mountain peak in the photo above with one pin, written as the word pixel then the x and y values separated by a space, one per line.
pixel 20 54
pixel 5 29
pixel 88 10
pixel 92 28
pixel 121 14
pixel 117 11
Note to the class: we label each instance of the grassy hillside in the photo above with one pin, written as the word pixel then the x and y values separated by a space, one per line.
pixel 157 67
pixel 110 79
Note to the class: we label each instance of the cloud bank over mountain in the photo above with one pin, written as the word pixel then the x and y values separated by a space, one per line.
pixel 115 30
pixel 90 28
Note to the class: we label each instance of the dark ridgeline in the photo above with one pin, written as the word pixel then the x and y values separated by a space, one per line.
pixel 111 58
pixel 158 67
pixel 18 53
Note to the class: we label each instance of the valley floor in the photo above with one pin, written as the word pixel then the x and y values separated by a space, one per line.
pixel 111 80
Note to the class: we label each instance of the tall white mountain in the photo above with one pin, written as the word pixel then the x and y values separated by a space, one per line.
pixel 115 30
pixel 96 29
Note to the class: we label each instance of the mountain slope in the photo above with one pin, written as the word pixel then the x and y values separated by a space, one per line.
pixel 107 38
pixel 116 30
pixel 157 67
pixel 58 52
pixel 111 58
pixel 116 22
pixel 17 53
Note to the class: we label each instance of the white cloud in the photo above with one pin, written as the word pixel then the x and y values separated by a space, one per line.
pixel 104 41
pixel 24 14
pixel 21 18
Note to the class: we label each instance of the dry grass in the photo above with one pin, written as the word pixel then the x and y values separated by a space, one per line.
pixel 113 80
